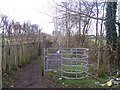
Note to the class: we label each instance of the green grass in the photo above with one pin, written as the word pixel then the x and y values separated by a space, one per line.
pixel 70 66
pixel 67 71
pixel 82 83
pixel 88 82
pixel 73 68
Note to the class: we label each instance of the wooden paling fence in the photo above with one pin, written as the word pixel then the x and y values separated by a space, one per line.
pixel 15 56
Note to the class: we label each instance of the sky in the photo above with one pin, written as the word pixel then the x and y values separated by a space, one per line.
pixel 36 11
pixel 32 10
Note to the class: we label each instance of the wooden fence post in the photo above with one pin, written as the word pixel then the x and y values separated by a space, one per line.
pixel 16 55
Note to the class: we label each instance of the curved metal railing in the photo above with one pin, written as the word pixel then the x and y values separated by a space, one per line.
pixel 74 63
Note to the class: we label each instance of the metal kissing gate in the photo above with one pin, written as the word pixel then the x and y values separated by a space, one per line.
pixel 71 62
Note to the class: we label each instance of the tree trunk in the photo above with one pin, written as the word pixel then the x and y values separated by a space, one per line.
pixel 67 25
pixel 101 54
pixel 79 23
pixel 101 66
pixel 97 24
pixel 111 34
pixel 3 42
pixel 118 50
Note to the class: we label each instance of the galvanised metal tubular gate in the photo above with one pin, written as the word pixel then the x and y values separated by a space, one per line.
pixel 72 62
pixel 52 59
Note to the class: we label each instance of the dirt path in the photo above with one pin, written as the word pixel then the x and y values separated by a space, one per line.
pixel 31 77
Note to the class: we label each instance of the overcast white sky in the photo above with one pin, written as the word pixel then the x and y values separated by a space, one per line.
pixel 24 10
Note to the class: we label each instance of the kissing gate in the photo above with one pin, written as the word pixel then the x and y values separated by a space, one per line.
pixel 71 62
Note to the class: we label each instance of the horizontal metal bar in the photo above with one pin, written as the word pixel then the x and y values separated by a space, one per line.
pixel 72 65
pixel 53 59
pixel 73 78
pixel 73 58
pixel 78 72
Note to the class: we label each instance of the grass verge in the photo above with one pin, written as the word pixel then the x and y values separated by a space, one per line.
pixel 88 82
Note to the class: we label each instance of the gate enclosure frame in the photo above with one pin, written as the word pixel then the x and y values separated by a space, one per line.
pixel 71 62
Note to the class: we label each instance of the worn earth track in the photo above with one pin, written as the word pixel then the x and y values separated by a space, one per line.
pixel 31 77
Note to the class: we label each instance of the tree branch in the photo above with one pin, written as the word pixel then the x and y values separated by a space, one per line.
pixel 81 13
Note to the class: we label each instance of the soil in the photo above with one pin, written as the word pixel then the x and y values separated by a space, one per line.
pixel 31 77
